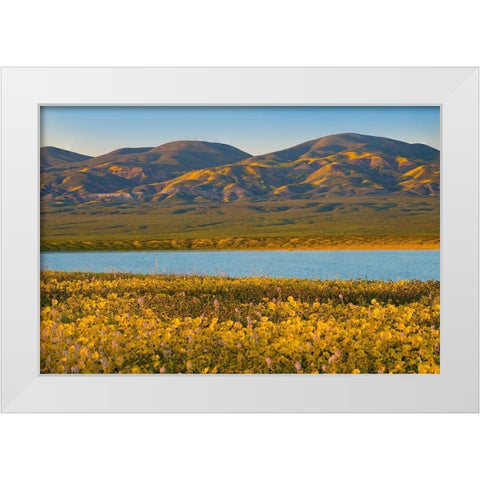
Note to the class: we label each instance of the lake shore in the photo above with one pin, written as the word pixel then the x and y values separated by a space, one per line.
pixel 339 242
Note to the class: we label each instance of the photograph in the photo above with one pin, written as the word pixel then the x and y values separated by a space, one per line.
pixel 242 239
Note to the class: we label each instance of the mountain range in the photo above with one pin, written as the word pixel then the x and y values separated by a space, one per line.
pixel 196 172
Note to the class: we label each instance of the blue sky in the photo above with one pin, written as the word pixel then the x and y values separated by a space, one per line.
pixel 97 130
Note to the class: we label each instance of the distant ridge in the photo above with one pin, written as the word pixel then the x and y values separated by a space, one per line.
pixel 53 156
pixel 185 171
pixel 332 144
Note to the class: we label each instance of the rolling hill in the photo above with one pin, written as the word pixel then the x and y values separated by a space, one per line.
pixel 127 173
pixel 58 158
pixel 337 165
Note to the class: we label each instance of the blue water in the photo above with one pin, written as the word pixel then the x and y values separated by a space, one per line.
pixel 321 264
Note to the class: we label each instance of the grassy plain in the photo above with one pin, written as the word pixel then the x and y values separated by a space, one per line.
pixel 125 323
pixel 343 222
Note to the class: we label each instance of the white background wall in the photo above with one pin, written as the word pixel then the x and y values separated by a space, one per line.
pixel 299 33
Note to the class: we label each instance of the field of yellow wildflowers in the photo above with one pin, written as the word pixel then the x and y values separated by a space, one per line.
pixel 125 323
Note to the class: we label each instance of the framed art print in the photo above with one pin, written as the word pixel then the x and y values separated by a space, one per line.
pixel 240 239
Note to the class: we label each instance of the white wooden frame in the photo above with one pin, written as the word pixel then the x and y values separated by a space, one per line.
pixel 455 389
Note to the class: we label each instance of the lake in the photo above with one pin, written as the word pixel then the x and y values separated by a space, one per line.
pixel 321 264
